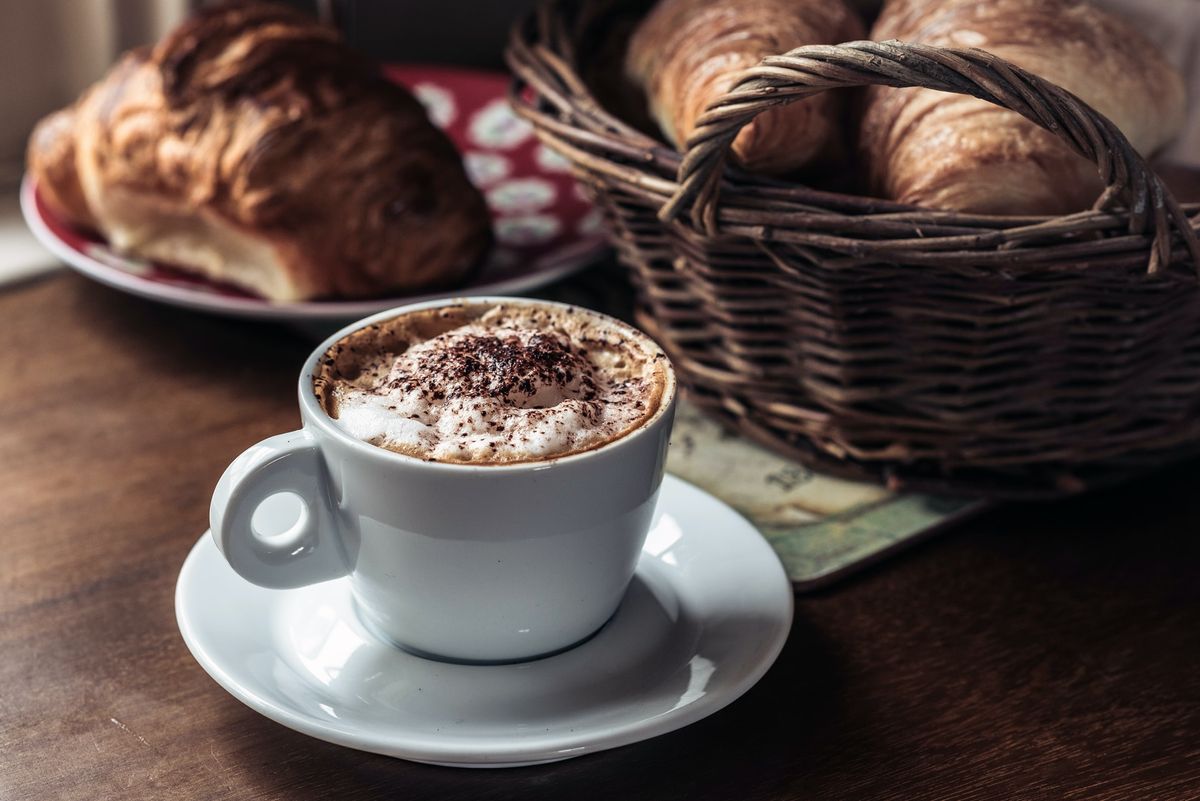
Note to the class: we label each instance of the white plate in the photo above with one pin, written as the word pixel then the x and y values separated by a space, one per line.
pixel 544 226
pixel 705 617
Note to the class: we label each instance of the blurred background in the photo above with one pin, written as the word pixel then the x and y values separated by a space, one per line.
pixel 51 50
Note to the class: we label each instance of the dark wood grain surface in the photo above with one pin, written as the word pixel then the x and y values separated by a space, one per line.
pixel 1048 651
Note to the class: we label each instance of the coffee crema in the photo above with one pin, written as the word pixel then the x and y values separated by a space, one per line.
pixel 492 383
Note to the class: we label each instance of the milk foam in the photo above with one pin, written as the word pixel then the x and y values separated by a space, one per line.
pixel 516 383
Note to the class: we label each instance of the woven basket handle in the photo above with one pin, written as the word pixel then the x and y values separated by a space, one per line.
pixel 808 70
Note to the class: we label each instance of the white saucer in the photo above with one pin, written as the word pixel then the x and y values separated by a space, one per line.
pixel 705 616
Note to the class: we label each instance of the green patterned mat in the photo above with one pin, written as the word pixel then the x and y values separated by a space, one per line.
pixel 823 528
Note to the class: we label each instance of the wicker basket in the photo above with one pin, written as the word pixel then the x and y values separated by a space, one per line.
pixel 1002 356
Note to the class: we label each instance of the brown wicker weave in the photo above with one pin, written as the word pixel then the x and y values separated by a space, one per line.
pixel 1006 356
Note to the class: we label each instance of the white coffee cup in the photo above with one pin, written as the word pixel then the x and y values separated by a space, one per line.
pixel 471 563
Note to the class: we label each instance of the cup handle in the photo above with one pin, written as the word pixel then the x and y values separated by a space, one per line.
pixel 307 553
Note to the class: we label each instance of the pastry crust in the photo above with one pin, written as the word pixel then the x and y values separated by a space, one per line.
pixel 960 153
pixel 252 146
pixel 688 53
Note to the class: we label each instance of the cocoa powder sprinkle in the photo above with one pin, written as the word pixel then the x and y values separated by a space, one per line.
pixel 480 366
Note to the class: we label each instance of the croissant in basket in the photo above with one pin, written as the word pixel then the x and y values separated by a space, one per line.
pixel 253 146
pixel 960 153
pixel 688 53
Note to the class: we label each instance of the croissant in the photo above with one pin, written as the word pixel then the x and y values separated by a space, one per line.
pixel 960 153
pixel 687 53
pixel 251 145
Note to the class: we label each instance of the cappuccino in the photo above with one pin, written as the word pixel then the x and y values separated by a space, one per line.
pixel 492 383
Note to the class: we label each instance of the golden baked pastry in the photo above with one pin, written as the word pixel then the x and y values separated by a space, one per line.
pixel 251 145
pixel 688 53
pixel 960 153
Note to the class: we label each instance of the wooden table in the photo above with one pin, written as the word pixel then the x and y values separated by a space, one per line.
pixel 1039 651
